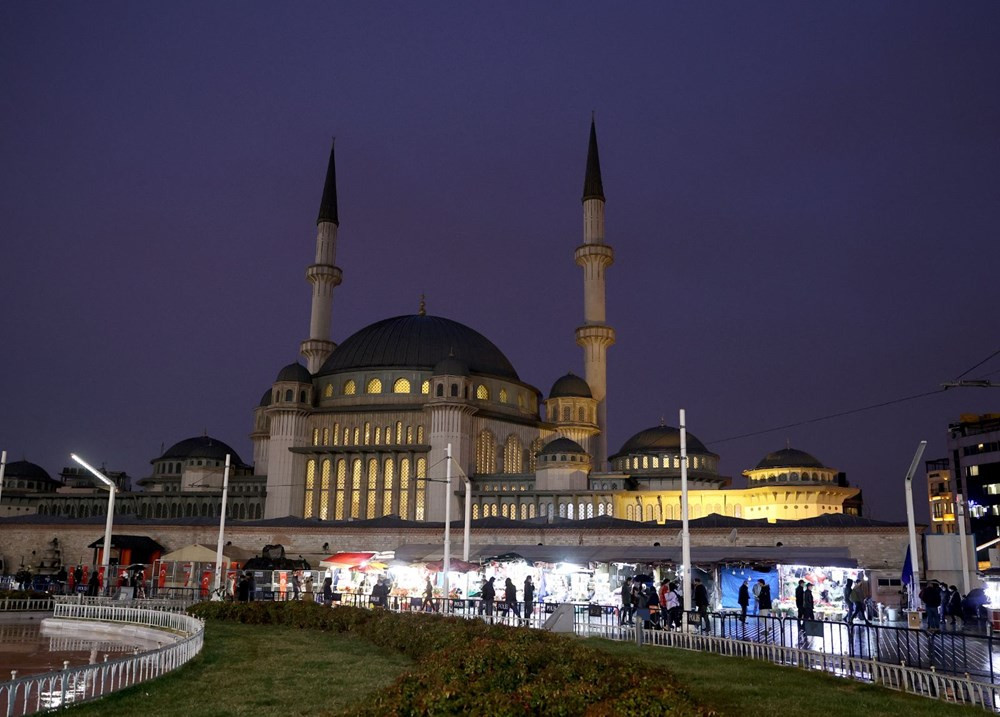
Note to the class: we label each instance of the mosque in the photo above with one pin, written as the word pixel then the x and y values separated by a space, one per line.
pixel 363 430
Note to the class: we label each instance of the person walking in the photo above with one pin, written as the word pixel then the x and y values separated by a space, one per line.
pixel 764 599
pixel 672 604
pixel 701 604
pixel 800 591
pixel 529 599
pixel 296 586
pixel 744 600
pixel 931 596
pixel 848 605
pixel 858 597
pixel 954 604
pixel 93 585
pixel 808 606
pixel 429 605
pixel 756 595
pixel 510 599
pixel 488 595
pixel 328 592
pixel 625 616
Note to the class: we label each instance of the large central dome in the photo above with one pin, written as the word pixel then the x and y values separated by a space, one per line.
pixel 419 342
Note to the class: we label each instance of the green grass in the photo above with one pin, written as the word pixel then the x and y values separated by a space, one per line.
pixel 261 670
pixel 736 686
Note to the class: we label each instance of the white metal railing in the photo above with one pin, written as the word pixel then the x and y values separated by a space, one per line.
pixel 926 683
pixel 72 685
pixel 25 604
pixel 161 604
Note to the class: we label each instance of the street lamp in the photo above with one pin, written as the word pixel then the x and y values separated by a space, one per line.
pixel 111 514
pixel 222 530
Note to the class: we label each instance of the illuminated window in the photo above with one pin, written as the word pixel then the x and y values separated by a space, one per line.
pixel 656 461
pixel 536 445
pixel 350 388
pixel 409 435
pixel 645 461
pixel 503 395
pixel 328 391
pixel 315 436
pixel 420 434
pixel 404 488
pixel 356 488
pixel 324 491
pixel 524 511
pixel 421 487
pixel 566 413
pixel 609 510
pixel 326 436
pixel 373 386
pixel 629 514
pixel 972 471
pixel 569 511
pixel 341 480
pixel 357 435
pixel 378 435
pixel 399 433
pixel 425 387
pixel 482 393
pixel 347 436
pixel 307 508
pixel 388 477
pixel 503 510
pixel 531 511
pixel 486 453
pixel 401 385
pixel 581 415
pixel 388 435
pixel 475 511
pixel 372 484
pixel 368 433
pixel 600 508
pixel 512 455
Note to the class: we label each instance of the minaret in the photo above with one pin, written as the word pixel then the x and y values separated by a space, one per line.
pixel 595 336
pixel 323 275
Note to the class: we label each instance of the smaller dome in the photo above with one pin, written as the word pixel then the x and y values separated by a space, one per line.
pixel 265 400
pixel 789 458
pixel 570 385
pixel 200 447
pixel 26 469
pixel 661 438
pixel 451 366
pixel 294 372
pixel 561 445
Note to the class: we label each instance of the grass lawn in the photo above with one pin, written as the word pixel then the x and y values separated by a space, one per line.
pixel 261 670
pixel 736 686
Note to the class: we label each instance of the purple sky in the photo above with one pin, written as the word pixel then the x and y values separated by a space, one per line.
pixel 803 200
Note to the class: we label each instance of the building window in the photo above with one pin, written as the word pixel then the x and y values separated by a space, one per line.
pixel 454 390
pixel 409 435
pixel 439 391
pixel 356 488
pixel 374 386
pixel 372 484
pixel 503 395
pixel 420 435
pixel 378 435
pixel 512 455
pixel 401 385
pixel 350 388
pixel 404 488
pixel 486 453
pixel 475 511
pixel 425 387
pixel 328 390
pixel 421 494
pixel 368 433
pixel 324 492
pixel 326 436
pixel 307 508
pixel 315 436
pixel 399 433
pixel 482 393
pixel 388 478
pixel 341 480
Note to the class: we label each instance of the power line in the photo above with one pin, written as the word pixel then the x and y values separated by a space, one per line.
pixel 829 416
pixel 995 353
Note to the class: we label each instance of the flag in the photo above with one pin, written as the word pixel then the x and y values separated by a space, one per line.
pixel 907 578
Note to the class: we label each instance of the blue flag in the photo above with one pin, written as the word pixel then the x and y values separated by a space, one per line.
pixel 907 578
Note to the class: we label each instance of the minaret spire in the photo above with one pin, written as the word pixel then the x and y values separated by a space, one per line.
pixel 323 274
pixel 594 256
pixel 328 204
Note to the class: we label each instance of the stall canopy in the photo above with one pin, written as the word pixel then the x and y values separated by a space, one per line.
pixel 198 553
pixel 131 548
pixel 355 560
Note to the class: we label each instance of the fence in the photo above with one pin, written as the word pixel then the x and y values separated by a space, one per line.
pixel 161 604
pixel 26 604
pixel 72 685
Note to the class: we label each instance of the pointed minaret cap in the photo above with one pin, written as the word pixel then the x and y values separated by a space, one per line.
pixel 592 186
pixel 328 205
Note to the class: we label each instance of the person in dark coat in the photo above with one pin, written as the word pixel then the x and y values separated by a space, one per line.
pixel 848 605
pixel 488 596
pixel 931 595
pixel 800 592
pixel 744 600
pixel 765 599
pixel 701 605
pixel 328 592
pixel 625 616
pixel 954 604
pixel 510 598
pixel 808 604
pixel 529 598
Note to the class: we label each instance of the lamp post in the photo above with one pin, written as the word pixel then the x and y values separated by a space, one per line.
pixel 913 587
pixel 685 532
pixel 222 529
pixel 112 489
pixel 446 566
pixel 3 467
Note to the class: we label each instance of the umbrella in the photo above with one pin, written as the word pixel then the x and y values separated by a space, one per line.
pixel 346 560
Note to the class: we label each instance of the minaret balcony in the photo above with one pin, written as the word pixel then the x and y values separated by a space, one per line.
pixel 600 254
pixel 324 274
pixel 595 334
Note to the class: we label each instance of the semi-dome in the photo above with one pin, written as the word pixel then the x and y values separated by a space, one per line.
pixel 201 447
pixel 561 445
pixel 265 400
pixel 26 470
pixel 660 439
pixel 295 372
pixel 789 458
pixel 418 342
pixel 570 386
pixel 451 366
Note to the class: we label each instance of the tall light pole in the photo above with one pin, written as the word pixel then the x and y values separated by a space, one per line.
pixel 222 528
pixel 914 585
pixel 685 532
pixel 3 467
pixel 446 566
pixel 112 489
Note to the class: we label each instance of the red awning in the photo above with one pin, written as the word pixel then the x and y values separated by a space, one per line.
pixel 346 560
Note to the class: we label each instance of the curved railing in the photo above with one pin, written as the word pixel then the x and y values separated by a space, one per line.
pixel 161 604
pixel 31 604
pixel 73 685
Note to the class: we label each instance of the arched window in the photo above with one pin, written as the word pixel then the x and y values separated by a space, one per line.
pixel 609 510
pixel 524 511
pixel 368 433
pixel 531 510
pixel 503 395
pixel 629 512
pixel 328 390
pixel 590 510
pixel 350 388
pixel 512 454
pixel 399 433
pixel 357 435
pixel 307 506
pixel 566 413
pixel 404 488
pixel 388 477
pixel 374 386
pixel 581 415
pixel 486 453
pixel 425 387
pixel 520 401
pixel 173 510
pixel 288 395
pixel 302 397
pixel 372 483
pixel 338 505
pixel 420 435
pixel 204 510
pixel 401 385
pixel 475 512
pixel 326 436
pixel 649 512
pixel 562 510
pixel 454 389
pixel 243 511
pixel 159 510
pixel 600 508
pixel 324 491
pixel 482 393
pixel 503 510
pixel 439 391
pixel 409 435
pixel 356 488
pixel 421 494
pixel 378 435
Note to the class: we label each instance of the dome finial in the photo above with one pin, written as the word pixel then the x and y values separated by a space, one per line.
pixel 422 311
pixel 663 421
pixel 788 444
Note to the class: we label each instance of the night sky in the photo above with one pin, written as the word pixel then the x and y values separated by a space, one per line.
pixel 803 200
